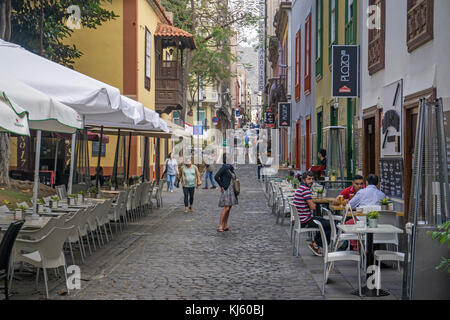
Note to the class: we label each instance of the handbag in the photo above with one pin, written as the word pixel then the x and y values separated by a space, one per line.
pixel 236 185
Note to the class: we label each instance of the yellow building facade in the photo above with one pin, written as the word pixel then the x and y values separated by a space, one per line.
pixel 336 23
pixel 117 53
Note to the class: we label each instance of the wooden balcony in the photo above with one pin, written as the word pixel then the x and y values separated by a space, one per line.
pixel 169 87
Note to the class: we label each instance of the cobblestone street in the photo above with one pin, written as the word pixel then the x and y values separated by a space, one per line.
pixel 172 255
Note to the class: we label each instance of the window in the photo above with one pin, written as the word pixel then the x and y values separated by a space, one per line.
pixel 308 55
pixel 333 26
pixel 319 38
pixel 420 23
pixel 148 62
pixel 350 21
pixel 298 53
pixel 376 45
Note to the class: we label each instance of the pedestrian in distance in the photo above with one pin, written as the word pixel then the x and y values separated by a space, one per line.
pixel 228 198
pixel 189 177
pixel 170 171
pixel 209 176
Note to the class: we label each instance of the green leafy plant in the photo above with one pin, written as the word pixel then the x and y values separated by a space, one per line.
pixel 320 190
pixel 295 182
pixel 22 208
pixel 385 201
pixel 373 215
pixel 82 192
pixel 333 172
pixel 72 195
pixel 40 201
pixel 443 236
pixel 55 198
pixel 107 184
pixel 93 189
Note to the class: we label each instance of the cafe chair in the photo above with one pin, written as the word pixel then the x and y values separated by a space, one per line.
pixel 6 247
pixel 46 253
pixel 389 239
pixel 74 237
pixel 114 213
pixel 283 206
pixel 384 255
pixel 329 257
pixel 298 230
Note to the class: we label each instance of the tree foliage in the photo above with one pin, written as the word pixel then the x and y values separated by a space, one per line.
pixel 41 26
pixel 213 23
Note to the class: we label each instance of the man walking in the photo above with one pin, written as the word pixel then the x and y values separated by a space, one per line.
pixel 305 206
pixel 209 176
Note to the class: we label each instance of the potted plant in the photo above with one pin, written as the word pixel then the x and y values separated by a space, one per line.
pixel 81 196
pixel 295 183
pixel 54 202
pixel 93 191
pixel 18 214
pixel 372 219
pixel 40 204
pixel 108 185
pixel 385 204
pixel 320 192
pixel 72 197
pixel 333 175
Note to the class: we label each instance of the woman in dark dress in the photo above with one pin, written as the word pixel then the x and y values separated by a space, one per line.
pixel 224 178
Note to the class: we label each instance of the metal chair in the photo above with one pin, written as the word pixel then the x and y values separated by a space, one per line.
pixel 6 247
pixel 298 229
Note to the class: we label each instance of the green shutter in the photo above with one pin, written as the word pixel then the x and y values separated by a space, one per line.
pixel 336 28
pixel 319 38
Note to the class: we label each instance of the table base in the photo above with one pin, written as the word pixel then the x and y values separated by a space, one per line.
pixel 366 292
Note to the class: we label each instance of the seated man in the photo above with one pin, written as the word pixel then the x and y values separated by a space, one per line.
pixel 349 193
pixel 305 207
pixel 370 195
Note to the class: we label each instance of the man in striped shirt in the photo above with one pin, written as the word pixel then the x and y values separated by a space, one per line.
pixel 305 206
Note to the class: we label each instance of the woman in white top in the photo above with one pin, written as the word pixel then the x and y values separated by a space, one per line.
pixel 171 171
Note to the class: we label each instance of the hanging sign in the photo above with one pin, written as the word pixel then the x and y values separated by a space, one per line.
pixel 345 72
pixel 284 114
pixel 391 133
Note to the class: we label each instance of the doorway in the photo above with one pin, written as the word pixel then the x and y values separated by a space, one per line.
pixel 297 144
pixel 369 146
pixel 308 142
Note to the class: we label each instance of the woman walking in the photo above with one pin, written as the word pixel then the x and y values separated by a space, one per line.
pixel 190 179
pixel 171 171
pixel 228 198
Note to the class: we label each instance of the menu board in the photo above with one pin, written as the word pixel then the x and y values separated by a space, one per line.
pixel 391 177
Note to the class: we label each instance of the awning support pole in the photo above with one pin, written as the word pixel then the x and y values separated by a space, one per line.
pixel 36 171
pixel 98 158
pixel 72 161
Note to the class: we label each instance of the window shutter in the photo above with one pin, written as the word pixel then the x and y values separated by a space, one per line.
pixel 319 38
pixel 308 55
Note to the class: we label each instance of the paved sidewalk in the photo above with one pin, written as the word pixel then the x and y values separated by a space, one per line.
pixel 172 255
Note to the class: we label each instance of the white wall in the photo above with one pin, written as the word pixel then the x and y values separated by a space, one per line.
pixel 426 66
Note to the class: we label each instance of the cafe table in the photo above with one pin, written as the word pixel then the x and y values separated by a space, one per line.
pixel 380 229
pixel 30 222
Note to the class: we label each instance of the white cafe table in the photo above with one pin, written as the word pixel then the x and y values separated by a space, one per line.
pixel 381 228
pixel 30 222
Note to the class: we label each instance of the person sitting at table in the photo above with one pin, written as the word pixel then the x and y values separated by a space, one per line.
pixel 349 193
pixel 368 196
pixel 305 205
pixel 323 158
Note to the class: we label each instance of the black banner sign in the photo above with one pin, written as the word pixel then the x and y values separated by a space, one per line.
pixel 284 114
pixel 270 120
pixel 23 153
pixel 345 71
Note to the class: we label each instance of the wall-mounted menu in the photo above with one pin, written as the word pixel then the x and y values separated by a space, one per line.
pixel 391 177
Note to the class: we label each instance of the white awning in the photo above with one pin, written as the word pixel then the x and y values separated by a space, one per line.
pixel 44 113
pixel 94 100
pixel 13 120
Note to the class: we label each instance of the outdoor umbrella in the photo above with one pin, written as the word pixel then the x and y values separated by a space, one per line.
pixel 44 113
pixel 92 99
pixel 13 120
